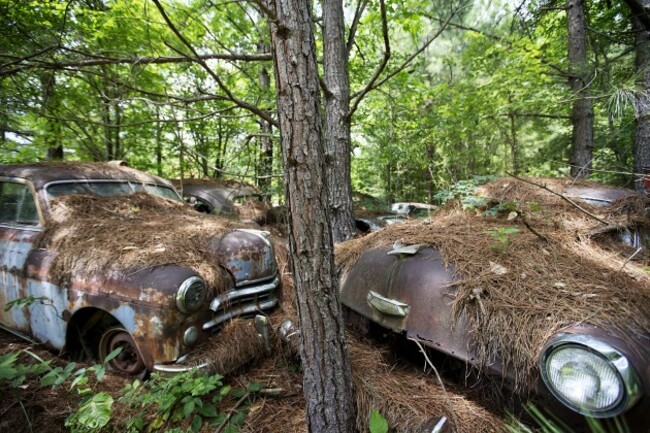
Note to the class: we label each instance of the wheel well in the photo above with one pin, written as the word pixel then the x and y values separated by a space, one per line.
pixel 85 328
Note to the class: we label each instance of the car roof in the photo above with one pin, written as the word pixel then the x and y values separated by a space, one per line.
pixel 42 173
pixel 598 195
pixel 224 188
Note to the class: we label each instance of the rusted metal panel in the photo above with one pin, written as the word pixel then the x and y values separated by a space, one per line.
pixel 15 245
pixel 421 281
pixel 248 255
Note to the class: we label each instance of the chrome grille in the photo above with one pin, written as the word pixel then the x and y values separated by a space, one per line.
pixel 245 300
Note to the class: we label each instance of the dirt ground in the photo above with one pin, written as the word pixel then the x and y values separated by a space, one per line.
pixel 406 396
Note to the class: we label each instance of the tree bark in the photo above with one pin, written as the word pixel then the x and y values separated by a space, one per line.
pixel 582 114
pixel 53 125
pixel 327 377
pixel 642 64
pixel 337 121
pixel 266 142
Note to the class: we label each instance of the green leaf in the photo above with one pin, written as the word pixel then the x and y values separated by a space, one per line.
pixel 112 355
pixel 188 409
pixel 208 411
pixel 96 412
pixel 255 387
pixel 197 423
pixel 378 423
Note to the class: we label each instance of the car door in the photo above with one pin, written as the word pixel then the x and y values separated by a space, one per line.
pixel 29 305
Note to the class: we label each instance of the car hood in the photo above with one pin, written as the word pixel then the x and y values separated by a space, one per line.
pixel 90 235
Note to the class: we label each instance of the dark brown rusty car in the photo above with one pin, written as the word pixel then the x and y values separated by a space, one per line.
pixel 519 298
pixel 157 312
pixel 227 198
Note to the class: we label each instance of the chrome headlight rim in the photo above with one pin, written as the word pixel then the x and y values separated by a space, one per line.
pixel 632 388
pixel 183 290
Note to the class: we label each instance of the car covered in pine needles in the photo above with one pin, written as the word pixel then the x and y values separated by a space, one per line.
pixel 521 295
pixel 98 256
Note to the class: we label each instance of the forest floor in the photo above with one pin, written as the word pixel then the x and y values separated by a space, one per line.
pixel 403 394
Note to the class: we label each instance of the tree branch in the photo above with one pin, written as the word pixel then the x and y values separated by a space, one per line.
pixel 197 58
pixel 563 197
pixel 145 60
pixel 360 95
pixel 380 68
pixel 358 13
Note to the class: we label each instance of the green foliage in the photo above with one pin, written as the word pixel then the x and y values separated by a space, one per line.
pixel 15 373
pixel 378 423
pixel 93 414
pixel 502 236
pixel 465 191
pixel 22 302
pixel 548 423
pixel 183 398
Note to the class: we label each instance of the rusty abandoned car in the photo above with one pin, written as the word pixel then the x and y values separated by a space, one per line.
pixel 96 257
pixel 228 198
pixel 523 296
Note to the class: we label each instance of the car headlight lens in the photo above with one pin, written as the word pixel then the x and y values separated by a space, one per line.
pixel 589 376
pixel 191 295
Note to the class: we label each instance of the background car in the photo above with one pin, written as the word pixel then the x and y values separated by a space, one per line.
pixel 228 198
pixel 95 257
pixel 520 297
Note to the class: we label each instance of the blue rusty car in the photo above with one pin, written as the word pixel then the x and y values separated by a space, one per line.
pixel 159 314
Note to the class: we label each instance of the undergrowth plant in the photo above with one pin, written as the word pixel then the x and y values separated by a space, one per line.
pixel 465 191
pixel 183 399
pixel 547 423
pixel 502 237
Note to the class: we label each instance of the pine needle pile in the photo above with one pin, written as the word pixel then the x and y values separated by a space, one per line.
pixel 103 235
pixel 407 399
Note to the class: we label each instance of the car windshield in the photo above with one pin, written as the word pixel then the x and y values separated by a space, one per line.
pixel 108 189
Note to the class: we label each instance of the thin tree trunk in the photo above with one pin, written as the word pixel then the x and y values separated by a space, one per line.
pixel 514 146
pixel 266 142
pixel 582 113
pixel 327 376
pixel 431 156
pixel 118 154
pixel 53 126
pixel 158 143
pixel 337 121
pixel 642 131
pixel 4 113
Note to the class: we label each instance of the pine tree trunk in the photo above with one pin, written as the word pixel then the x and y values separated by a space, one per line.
pixel 266 142
pixel 327 376
pixel 337 122
pixel 582 113
pixel 642 132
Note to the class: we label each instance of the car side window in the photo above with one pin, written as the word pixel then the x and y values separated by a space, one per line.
pixel 17 205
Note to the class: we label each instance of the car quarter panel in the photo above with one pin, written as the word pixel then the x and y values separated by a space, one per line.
pixel 423 282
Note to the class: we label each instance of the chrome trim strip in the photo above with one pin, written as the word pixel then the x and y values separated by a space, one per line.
pixel 387 306
pixel 240 311
pixel 175 368
pixel 240 293
pixel 245 283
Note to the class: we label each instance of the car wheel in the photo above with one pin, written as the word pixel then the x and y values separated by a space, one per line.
pixel 128 361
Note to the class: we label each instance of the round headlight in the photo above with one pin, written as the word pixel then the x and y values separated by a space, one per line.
pixel 191 295
pixel 589 376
